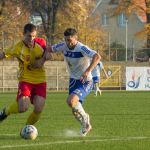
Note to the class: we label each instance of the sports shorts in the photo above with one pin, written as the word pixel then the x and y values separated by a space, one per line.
pixel 96 79
pixel 79 88
pixel 30 90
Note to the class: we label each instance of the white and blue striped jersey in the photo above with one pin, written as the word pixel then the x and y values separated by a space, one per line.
pixel 97 69
pixel 77 59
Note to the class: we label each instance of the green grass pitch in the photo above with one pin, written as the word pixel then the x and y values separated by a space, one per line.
pixel 120 120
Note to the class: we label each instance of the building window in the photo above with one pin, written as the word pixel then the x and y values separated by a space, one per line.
pixel 122 20
pixel 105 20
pixel 114 2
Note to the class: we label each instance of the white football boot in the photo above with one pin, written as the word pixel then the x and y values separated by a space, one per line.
pixel 86 126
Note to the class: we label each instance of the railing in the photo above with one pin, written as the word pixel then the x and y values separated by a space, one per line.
pixel 57 78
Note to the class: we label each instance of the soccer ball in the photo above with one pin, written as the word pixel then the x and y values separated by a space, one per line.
pixel 29 132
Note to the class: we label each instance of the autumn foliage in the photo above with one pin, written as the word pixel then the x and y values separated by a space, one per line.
pixel 13 16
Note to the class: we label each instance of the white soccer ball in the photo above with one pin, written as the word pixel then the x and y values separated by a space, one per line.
pixel 29 132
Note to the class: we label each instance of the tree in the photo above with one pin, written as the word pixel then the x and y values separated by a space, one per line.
pixel 13 16
pixel 2 3
pixel 78 15
pixel 57 15
pixel 47 10
pixel 147 2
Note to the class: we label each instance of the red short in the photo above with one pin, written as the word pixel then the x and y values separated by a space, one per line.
pixel 31 90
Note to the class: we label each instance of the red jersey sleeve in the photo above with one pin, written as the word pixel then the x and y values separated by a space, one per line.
pixel 41 42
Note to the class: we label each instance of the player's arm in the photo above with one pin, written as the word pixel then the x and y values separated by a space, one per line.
pixel 95 60
pixel 12 51
pixel 8 53
pixel 46 56
pixel 48 53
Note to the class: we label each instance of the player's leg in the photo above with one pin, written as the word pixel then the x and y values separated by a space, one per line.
pixel 77 109
pixel 77 93
pixel 94 85
pixel 23 96
pixel 3 114
pixel 97 89
pixel 23 104
pixel 16 107
pixel 73 101
pixel 12 108
pixel 96 80
pixel 38 101
pixel 7 110
pixel 80 114
pixel 20 105
pixel 94 88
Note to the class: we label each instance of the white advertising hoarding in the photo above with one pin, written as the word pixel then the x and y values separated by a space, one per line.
pixel 138 78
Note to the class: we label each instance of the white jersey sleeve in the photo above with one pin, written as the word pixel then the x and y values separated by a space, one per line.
pixel 58 47
pixel 86 51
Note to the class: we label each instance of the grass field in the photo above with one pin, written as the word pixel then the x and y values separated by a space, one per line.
pixel 120 120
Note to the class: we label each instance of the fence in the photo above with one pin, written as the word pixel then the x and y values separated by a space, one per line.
pixel 57 77
pixel 114 80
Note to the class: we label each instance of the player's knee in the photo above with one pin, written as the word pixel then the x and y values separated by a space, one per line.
pixel 38 111
pixel 38 108
pixel 22 109
pixel 68 102
pixel 71 102
pixel 23 104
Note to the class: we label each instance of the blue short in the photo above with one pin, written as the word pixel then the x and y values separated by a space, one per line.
pixel 79 88
pixel 96 79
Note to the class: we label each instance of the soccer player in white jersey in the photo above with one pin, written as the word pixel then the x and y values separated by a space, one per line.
pixel 96 77
pixel 78 59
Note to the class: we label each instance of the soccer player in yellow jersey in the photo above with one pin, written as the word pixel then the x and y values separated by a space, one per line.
pixel 32 81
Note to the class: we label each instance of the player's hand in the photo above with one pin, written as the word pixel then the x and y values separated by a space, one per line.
pixel 47 55
pixel 84 76
pixel 49 48
pixel 38 63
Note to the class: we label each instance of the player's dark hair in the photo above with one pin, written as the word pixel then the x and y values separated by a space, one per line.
pixel 29 27
pixel 70 32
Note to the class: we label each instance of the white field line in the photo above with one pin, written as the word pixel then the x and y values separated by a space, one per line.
pixel 75 141
pixel 7 134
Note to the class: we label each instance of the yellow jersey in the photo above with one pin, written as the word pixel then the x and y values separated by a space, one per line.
pixel 26 57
